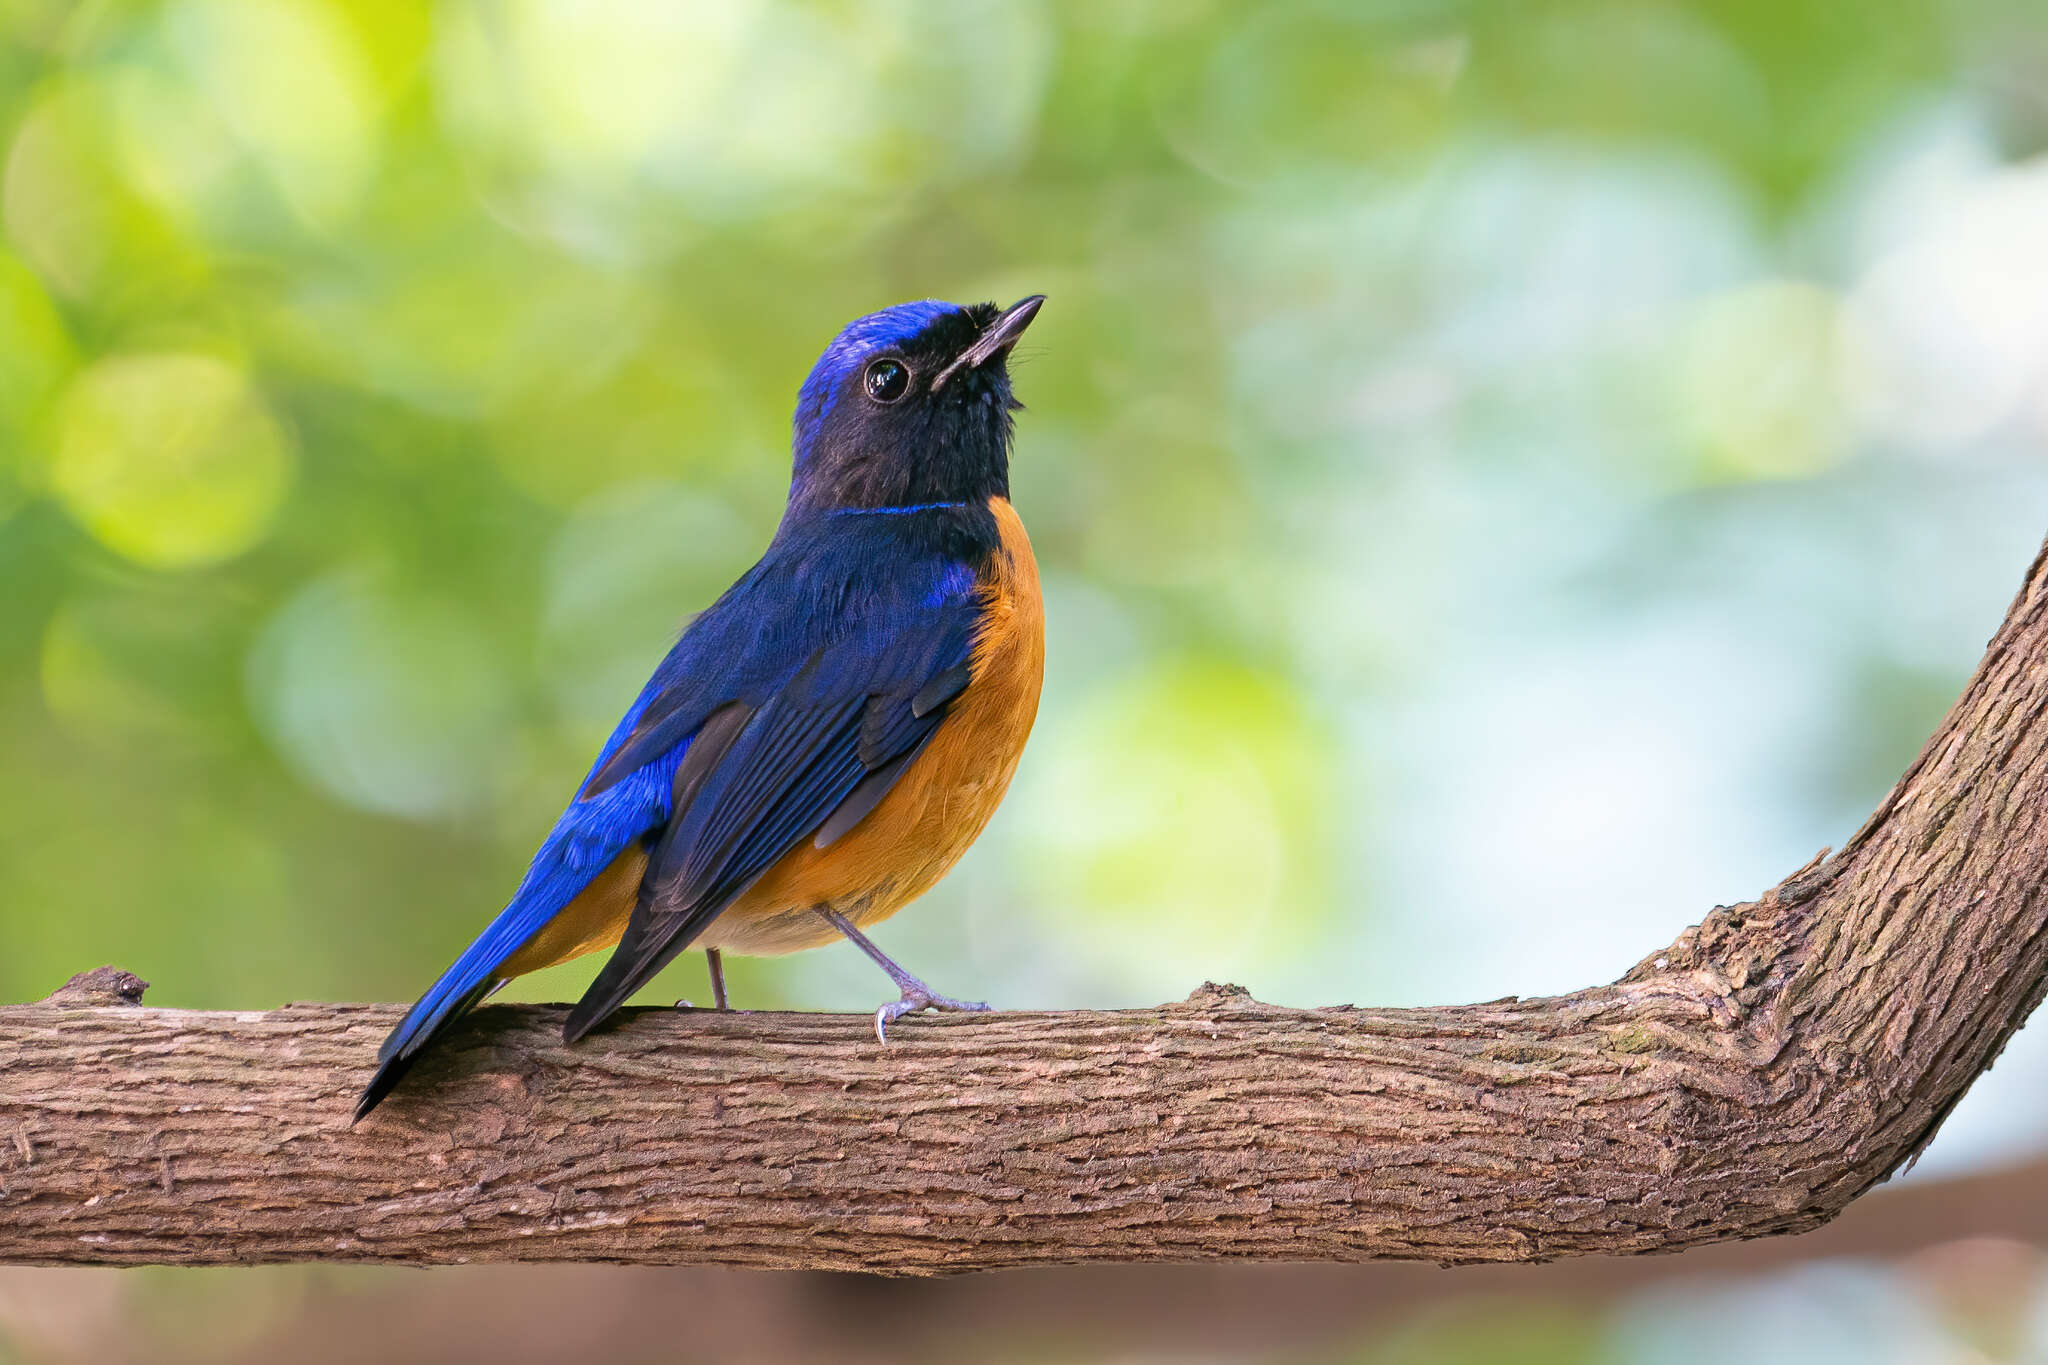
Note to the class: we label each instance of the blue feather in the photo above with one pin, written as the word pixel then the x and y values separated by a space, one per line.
pixel 893 608
pixel 888 617
pixel 586 838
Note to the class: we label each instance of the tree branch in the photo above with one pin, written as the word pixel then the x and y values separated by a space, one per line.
pixel 1775 1062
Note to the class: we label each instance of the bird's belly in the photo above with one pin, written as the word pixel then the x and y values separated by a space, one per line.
pixel 940 804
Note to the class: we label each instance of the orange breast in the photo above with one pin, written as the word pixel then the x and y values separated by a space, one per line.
pixel 943 800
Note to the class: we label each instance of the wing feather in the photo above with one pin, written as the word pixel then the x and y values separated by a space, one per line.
pixel 809 761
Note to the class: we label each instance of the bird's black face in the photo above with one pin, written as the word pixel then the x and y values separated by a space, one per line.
pixel 910 406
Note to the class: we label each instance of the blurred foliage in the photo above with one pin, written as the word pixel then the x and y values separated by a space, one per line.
pixel 1481 1331
pixel 1975 1301
pixel 1491 462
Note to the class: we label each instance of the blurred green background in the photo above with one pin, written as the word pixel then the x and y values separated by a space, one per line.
pixel 1507 475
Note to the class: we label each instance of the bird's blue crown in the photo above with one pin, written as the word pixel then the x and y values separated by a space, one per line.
pixel 857 342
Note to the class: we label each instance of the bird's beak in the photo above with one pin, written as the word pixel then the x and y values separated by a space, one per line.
pixel 1001 335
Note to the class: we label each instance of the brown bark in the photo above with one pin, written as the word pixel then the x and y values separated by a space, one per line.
pixel 1775 1062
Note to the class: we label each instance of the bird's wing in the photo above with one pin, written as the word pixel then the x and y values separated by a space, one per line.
pixel 805 758
pixel 859 616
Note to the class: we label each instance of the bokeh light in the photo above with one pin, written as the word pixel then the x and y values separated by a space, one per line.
pixel 170 459
pixel 393 704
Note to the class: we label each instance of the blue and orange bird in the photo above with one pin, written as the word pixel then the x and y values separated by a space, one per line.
pixel 826 740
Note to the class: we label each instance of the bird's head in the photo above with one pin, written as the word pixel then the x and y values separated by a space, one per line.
pixel 909 406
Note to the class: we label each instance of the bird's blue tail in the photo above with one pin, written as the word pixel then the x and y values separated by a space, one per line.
pixel 461 988
pixel 590 834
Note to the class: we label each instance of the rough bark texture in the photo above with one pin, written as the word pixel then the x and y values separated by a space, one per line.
pixel 1775 1062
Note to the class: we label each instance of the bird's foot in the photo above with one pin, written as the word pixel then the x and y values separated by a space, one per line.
pixel 916 995
pixel 920 997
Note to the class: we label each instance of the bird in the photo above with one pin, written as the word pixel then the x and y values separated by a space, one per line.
pixel 824 741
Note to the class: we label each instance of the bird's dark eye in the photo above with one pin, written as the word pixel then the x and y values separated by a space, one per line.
pixel 888 381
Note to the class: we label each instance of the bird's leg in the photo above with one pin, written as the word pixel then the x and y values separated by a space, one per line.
pixel 916 995
pixel 717 966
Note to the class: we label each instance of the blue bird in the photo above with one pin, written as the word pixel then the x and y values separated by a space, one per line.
pixel 826 740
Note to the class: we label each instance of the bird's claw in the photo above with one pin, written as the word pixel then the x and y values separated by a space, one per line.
pixel 915 1000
